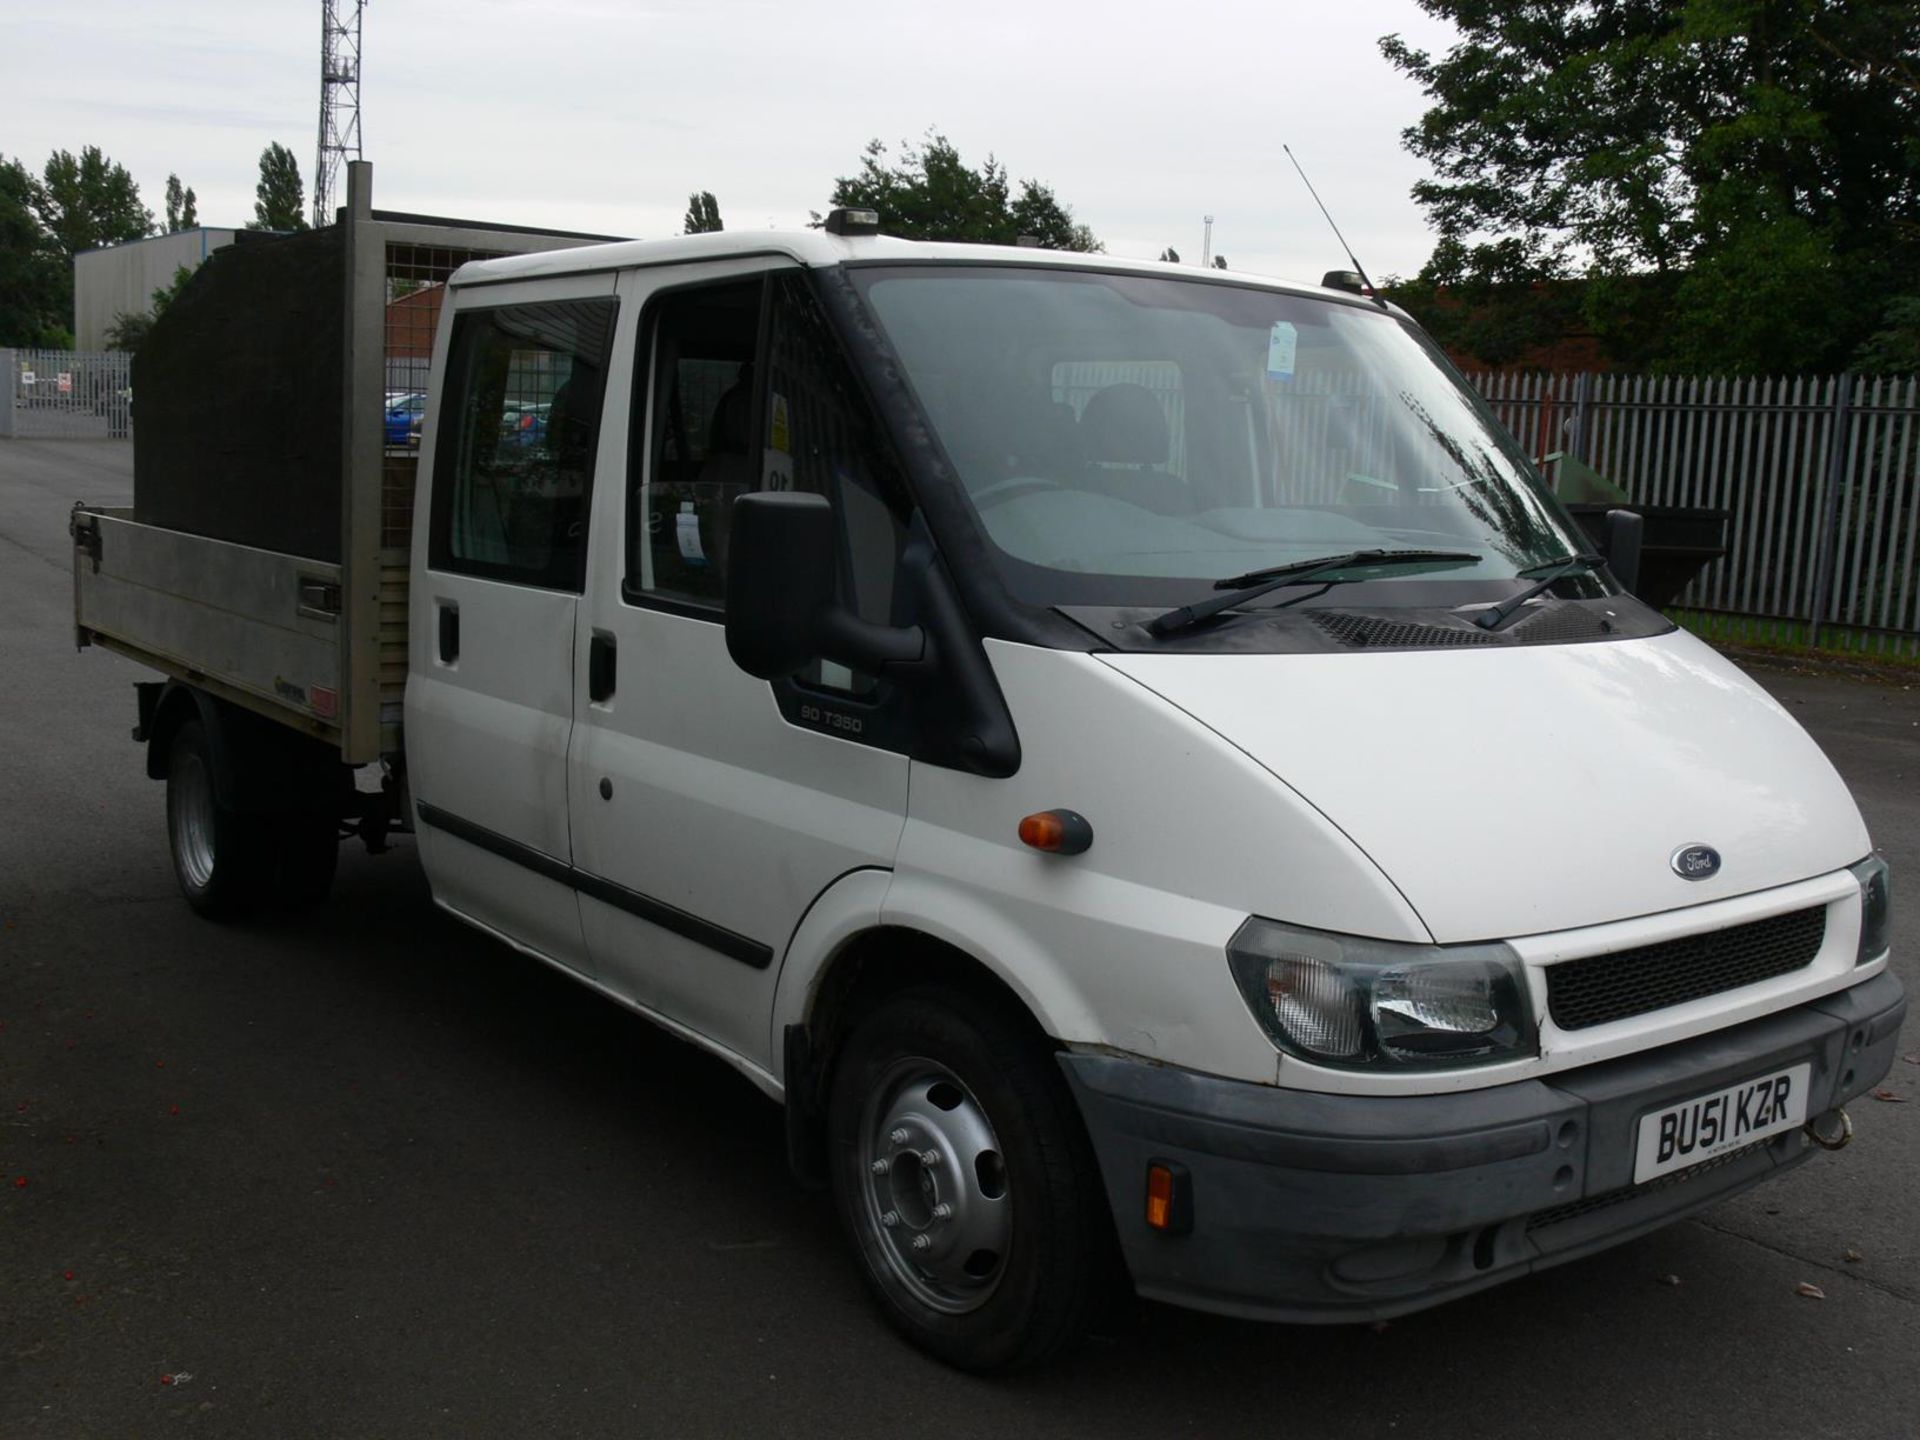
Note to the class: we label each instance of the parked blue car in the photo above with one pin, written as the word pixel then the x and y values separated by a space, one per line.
pixel 403 416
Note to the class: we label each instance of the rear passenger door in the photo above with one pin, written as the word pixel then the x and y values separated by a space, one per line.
pixel 710 809
pixel 501 539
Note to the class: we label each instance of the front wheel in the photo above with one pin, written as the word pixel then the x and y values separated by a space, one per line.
pixel 965 1182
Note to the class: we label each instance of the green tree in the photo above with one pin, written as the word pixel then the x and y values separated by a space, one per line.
pixel 31 308
pixel 183 208
pixel 279 199
pixel 703 214
pixel 89 202
pixel 1894 348
pixel 82 204
pixel 1740 179
pixel 931 194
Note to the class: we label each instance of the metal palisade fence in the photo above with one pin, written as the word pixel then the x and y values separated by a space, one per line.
pixel 65 395
pixel 1820 477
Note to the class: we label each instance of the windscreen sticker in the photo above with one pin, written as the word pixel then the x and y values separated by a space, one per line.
pixel 1280 346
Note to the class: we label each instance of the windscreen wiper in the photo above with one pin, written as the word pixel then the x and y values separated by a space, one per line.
pixel 1255 583
pixel 1496 616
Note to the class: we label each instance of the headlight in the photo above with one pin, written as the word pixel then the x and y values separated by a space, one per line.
pixel 1345 1001
pixel 1876 908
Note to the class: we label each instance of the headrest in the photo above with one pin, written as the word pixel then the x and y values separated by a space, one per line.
pixel 1124 425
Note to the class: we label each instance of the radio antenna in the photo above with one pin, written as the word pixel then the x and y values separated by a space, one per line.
pixel 1359 269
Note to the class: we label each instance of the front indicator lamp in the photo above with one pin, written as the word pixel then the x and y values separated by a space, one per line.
pixel 1356 1003
pixel 1876 908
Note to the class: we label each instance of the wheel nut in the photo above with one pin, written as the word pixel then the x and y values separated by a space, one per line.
pixel 890 1219
pixel 899 1137
pixel 880 1167
pixel 922 1242
pixel 930 1158
pixel 943 1211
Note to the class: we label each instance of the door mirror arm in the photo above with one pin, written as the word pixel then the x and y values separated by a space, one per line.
pixel 895 652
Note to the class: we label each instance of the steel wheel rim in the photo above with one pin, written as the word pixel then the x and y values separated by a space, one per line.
pixel 933 1182
pixel 192 817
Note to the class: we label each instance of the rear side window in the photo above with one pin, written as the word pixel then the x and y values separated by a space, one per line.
pixel 520 424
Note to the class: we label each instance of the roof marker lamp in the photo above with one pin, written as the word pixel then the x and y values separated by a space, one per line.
pixel 1356 1003
pixel 1876 908
pixel 849 221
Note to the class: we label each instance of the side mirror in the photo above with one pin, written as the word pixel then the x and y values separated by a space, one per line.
pixel 782 608
pixel 1624 529
pixel 780 569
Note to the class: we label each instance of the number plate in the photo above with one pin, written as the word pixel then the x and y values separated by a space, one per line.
pixel 1710 1125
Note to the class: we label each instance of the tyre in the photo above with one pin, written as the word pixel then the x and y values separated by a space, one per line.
pixel 965 1183
pixel 218 854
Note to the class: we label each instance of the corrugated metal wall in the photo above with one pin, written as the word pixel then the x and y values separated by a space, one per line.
pixel 1820 474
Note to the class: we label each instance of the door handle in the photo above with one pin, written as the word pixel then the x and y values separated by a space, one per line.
pixel 601 672
pixel 449 632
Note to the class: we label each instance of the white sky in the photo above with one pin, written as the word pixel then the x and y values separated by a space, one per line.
pixel 600 115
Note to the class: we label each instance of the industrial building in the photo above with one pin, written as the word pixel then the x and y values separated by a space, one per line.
pixel 117 279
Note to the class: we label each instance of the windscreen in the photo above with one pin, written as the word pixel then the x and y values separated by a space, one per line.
pixel 1120 437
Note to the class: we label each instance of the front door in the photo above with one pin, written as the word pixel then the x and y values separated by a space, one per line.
pixel 710 809
pixel 502 538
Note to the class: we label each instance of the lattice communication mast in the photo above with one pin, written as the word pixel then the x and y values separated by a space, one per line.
pixel 339 100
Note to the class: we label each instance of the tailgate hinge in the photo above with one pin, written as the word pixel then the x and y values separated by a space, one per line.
pixel 85 529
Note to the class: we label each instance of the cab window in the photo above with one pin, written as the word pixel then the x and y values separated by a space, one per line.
pixel 701 439
pixel 746 389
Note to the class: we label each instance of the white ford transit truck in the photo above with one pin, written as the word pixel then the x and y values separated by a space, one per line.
pixel 1134 759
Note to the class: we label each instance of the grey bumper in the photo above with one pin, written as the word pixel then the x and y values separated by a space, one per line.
pixel 1309 1207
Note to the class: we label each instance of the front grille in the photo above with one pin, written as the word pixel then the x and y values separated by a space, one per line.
pixel 1364 631
pixel 1603 988
pixel 1574 1209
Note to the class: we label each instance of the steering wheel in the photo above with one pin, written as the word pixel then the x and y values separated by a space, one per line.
pixel 1002 491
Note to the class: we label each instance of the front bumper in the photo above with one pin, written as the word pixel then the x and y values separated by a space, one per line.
pixel 1314 1207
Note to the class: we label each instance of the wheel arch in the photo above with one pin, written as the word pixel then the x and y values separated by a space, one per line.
pixel 855 948
pixel 178 703
pixel 258 765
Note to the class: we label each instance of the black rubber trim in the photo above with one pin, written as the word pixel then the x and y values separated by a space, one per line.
pixel 537 861
pixel 729 943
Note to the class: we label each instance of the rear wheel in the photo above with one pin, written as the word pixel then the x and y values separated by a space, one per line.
pixel 965 1183
pixel 217 852
pixel 227 861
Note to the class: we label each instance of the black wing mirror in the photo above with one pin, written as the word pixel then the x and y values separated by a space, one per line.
pixel 783 611
pixel 1624 531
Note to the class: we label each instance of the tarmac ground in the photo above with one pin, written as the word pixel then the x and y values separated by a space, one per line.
pixel 373 1174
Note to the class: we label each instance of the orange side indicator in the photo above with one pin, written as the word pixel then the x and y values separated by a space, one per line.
pixel 1159 1197
pixel 1058 832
